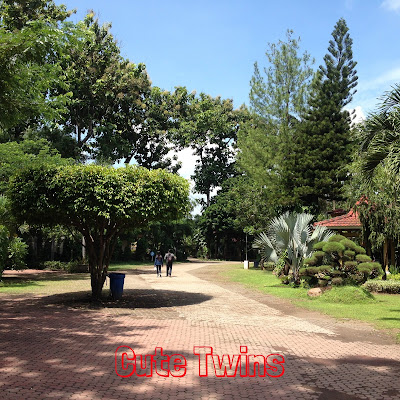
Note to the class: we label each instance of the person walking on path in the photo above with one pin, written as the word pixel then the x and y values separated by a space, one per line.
pixel 158 262
pixel 169 259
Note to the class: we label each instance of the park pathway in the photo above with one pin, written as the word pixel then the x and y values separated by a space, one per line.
pixel 57 349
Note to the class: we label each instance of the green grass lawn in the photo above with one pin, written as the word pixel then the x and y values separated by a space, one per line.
pixel 60 282
pixel 57 283
pixel 383 310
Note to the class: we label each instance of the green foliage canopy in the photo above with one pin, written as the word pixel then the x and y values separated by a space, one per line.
pixel 99 202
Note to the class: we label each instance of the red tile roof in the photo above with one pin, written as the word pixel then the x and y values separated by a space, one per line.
pixel 347 221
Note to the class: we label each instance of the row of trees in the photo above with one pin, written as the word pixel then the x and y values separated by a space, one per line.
pixel 67 96
pixel 294 150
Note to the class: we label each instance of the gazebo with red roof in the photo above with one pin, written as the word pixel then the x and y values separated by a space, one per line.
pixel 348 224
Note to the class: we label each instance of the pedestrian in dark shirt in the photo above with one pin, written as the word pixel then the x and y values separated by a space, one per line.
pixel 169 259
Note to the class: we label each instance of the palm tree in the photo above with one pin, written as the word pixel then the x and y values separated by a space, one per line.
pixel 293 233
pixel 380 137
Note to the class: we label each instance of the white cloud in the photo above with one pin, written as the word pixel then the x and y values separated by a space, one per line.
pixel 359 115
pixel 391 5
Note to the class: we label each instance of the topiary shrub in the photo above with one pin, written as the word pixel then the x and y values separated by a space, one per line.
pixel 318 255
pixel 333 247
pixel 318 246
pixel 363 258
pixel 342 258
pixel 311 261
pixel 349 244
pixel 360 250
pixel 350 264
pixel 312 270
pixel 350 254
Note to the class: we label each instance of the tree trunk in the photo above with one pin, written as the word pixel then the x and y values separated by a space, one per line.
pixel 97 252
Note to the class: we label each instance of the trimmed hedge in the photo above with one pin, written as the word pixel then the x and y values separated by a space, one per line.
pixel 392 287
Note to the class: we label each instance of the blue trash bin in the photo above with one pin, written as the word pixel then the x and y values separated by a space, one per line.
pixel 256 263
pixel 116 284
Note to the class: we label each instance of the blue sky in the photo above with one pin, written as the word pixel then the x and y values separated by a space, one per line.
pixel 211 45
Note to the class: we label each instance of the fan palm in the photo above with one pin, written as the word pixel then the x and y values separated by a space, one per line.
pixel 293 233
pixel 380 137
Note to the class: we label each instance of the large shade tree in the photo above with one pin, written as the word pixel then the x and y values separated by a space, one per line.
pixel 99 202
pixel 30 40
pixel 210 128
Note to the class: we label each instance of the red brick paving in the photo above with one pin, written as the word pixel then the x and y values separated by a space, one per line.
pixel 50 349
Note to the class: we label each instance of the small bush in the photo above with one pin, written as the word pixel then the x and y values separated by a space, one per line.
pixel 363 258
pixel 337 281
pixel 394 269
pixel 356 278
pixel 392 287
pixel 322 282
pixel 269 266
pixel 284 279
pixel 17 251
pixel 395 277
pixel 78 267
pixel 55 265
pixel 333 247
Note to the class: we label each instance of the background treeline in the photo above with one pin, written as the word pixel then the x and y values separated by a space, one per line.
pixel 67 96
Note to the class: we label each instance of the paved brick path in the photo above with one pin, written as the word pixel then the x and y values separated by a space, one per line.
pixel 50 348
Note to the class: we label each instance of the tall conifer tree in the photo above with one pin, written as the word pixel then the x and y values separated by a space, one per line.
pixel 323 143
